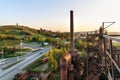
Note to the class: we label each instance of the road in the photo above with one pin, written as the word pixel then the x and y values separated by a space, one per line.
pixel 9 73
pixel 10 61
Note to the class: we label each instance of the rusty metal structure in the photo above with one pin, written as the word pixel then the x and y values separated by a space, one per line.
pixel 71 31
pixel 69 63
pixel 107 62
pixel 102 61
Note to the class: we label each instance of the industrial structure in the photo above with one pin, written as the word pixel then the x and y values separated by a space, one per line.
pixel 102 60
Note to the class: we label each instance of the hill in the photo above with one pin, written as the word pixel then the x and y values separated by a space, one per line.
pixel 12 34
pixel 17 30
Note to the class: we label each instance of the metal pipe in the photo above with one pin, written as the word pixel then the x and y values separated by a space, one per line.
pixel 112 38
pixel 71 31
pixel 111 53
pixel 117 67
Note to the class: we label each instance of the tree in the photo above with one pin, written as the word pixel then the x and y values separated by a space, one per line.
pixel 5 48
pixel 52 63
pixel 80 44
pixel 57 54
pixel 54 58
pixel 13 49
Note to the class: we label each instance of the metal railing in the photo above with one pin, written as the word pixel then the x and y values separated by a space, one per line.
pixel 110 55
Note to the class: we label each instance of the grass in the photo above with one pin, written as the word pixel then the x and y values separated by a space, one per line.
pixel 39 68
pixel 15 54
pixel 40 36
pixel 19 36
pixel 116 44
pixel 36 62
pixel 24 50
pixel 9 42
pixel 55 75
pixel 9 55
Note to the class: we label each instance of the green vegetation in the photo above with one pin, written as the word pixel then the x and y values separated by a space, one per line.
pixel 38 68
pixel 83 54
pixel 48 33
pixel 80 44
pixel 34 66
pixel 55 75
pixel 52 63
pixel 13 32
pixel 12 52
pixel 17 30
pixel 9 42
pixel 10 55
pixel 116 44
pixel 11 35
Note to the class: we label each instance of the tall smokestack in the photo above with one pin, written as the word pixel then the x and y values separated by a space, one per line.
pixel 71 31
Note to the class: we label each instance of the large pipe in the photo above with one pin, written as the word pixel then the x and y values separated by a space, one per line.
pixel 71 31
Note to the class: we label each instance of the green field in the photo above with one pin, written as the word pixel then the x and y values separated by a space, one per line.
pixel 40 68
pixel 9 42
pixel 17 53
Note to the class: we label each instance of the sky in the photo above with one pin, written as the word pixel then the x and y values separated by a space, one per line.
pixel 55 14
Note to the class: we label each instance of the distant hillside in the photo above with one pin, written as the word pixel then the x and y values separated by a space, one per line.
pixel 12 34
pixel 17 30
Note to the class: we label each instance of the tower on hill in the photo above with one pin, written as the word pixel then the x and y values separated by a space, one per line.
pixel 17 24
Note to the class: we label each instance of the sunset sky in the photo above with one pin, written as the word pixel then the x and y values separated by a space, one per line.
pixel 54 14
